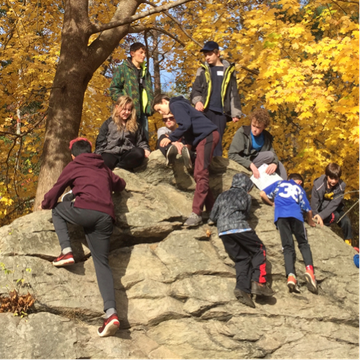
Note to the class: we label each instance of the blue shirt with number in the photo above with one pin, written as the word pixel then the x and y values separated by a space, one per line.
pixel 289 198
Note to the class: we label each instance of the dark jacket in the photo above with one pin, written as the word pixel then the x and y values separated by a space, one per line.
pixel 230 99
pixel 126 82
pixel 232 207
pixel 92 183
pixel 193 125
pixel 240 148
pixel 320 205
pixel 111 140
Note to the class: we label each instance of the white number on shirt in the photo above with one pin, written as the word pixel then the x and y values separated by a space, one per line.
pixel 288 190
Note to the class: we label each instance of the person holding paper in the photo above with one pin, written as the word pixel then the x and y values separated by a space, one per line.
pixel 252 146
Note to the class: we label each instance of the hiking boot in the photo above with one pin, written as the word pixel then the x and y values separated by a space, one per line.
pixel 292 283
pixel 261 289
pixel 311 281
pixel 244 297
pixel 64 260
pixel 193 220
pixel 186 157
pixel 171 155
pixel 110 327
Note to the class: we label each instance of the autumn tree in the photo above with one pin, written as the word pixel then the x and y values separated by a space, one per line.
pixel 299 60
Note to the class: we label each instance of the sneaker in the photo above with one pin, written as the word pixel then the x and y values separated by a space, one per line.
pixel 348 241
pixel 311 281
pixel 64 260
pixel 261 289
pixel 171 155
pixel 244 297
pixel 110 327
pixel 193 220
pixel 292 283
pixel 186 157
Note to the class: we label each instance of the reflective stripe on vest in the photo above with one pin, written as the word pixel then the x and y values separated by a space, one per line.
pixel 144 95
pixel 208 80
pixel 225 82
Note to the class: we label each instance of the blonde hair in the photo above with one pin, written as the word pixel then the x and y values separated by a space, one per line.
pixel 131 124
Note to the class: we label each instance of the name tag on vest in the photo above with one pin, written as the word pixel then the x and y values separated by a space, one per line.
pixel 220 73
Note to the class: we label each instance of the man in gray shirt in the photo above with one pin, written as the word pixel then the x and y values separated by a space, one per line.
pixel 173 148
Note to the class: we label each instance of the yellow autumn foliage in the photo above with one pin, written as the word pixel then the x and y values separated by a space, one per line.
pixel 298 60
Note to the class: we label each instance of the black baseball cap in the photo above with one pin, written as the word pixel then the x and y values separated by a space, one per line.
pixel 210 46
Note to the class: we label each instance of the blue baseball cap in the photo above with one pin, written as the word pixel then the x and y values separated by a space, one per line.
pixel 210 46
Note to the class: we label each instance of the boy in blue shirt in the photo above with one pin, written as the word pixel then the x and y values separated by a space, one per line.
pixel 290 200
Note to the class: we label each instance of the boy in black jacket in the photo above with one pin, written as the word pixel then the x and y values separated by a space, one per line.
pixel 92 183
pixel 244 247
pixel 215 91
pixel 202 135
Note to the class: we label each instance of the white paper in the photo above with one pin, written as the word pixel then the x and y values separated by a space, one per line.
pixel 265 179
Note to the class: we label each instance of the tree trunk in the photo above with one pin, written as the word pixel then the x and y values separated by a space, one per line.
pixel 155 56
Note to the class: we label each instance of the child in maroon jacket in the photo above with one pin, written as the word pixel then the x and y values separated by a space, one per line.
pixel 92 183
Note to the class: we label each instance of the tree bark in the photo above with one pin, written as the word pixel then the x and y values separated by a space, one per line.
pixel 156 60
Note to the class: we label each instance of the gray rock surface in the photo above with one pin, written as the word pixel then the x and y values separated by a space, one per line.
pixel 174 286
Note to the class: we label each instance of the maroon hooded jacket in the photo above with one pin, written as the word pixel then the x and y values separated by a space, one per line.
pixel 92 183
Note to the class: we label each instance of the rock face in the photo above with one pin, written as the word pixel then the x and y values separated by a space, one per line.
pixel 174 286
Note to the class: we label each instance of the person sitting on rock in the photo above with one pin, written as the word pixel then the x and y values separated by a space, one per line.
pixel 244 247
pixel 327 200
pixel 176 147
pixel 289 200
pixel 121 141
pixel 252 146
pixel 199 132
pixel 92 183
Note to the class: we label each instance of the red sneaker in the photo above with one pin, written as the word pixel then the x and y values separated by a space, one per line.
pixel 64 260
pixel 110 327
pixel 292 283
pixel 311 281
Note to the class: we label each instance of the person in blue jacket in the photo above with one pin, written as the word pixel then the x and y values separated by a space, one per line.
pixel 289 200
pixel 199 132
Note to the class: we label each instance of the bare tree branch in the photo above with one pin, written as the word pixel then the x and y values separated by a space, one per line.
pixel 350 2
pixel 253 71
pixel 140 28
pixel 95 28
pixel 26 132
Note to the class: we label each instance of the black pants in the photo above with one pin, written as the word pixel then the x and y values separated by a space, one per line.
pixel 249 254
pixel 287 227
pixel 128 160
pixel 220 120
pixel 344 223
pixel 98 228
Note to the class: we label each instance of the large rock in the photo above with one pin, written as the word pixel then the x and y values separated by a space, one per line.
pixel 174 286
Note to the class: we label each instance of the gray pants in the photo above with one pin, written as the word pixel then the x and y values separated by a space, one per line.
pixel 98 228
pixel 267 157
